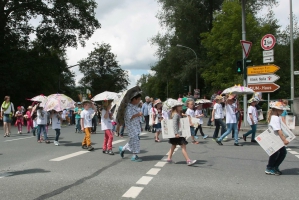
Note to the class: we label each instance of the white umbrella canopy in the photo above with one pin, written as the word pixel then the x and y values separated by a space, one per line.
pixel 40 98
pixel 203 101
pixel 168 104
pixel 122 102
pixel 238 90
pixel 104 96
pixel 59 102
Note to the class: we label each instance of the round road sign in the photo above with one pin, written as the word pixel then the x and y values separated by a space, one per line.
pixel 268 42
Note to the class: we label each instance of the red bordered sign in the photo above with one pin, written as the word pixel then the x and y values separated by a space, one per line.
pixel 268 42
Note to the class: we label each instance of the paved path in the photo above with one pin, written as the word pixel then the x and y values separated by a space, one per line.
pixel 29 170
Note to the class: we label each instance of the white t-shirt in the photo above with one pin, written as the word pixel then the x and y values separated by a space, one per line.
pixel 106 123
pixel 42 117
pixel 275 122
pixel 55 121
pixel 87 116
pixel 230 114
pixel 199 112
pixel 190 112
pixel 218 111
pixel 63 114
pixel 252 110
pixel 35 123
pixel 155 114
pixel 10 109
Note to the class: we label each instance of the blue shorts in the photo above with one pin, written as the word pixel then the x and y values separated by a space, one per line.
pixel 192 130
pixel 7 118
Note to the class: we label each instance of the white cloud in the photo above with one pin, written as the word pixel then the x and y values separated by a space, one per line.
pixel 133 79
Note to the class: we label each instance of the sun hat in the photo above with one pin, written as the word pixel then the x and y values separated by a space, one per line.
pixel 218 97
pixel 135 94
pixel 278 105
pixel 157 102
pixel 176 103
pixel 29 107
pixel 253 99
pixel 86 101
pixel 79 103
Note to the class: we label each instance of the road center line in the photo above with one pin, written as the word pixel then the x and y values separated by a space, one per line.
pixel 293 152
pixel 160 164
pixel 69 156
pixel 19 139
pixel 144 180
pixel 153 171
pixel 133 192
pixel 117 141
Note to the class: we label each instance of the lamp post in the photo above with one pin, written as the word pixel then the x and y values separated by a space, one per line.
pixel 178 45
pixel 292 50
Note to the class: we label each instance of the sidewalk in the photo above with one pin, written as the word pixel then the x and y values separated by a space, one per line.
pixel 261 127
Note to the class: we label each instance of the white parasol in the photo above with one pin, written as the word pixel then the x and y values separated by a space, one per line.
pixel 238 90
pixel 59 102
pixel 104 96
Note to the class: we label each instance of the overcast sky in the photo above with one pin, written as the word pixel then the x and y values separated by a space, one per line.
pixel 127 25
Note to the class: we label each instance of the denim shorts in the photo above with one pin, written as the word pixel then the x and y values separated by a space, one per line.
pixel 192 130
pixel 7 118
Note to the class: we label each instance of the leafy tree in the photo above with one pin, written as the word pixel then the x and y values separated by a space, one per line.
pixel 101 78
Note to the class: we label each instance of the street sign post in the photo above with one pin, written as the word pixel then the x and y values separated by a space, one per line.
pixel 264 87
pixel 269 59
pixel 268 42
pixel 262 69
pixel 246 45
pixel 269 78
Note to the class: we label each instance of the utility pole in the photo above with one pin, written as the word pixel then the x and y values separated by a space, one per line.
pixel 292 50
pixel 244 56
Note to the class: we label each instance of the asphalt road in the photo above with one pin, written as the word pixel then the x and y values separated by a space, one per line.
pixel 29 170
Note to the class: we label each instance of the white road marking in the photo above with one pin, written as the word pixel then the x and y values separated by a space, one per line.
pixel 153 171
pixel 144 180
pixel 2 175
pixel 69 156
pixel 297 156
pixel 18 139
pixel 133 192
pixel 160 164
pixel 289 149
pixel 293 152
pixel 142 133
pixel 117 141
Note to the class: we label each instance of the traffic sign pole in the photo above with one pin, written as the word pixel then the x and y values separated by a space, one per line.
pixel 244 64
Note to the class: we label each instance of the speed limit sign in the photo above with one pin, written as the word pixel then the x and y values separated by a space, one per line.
pixel 268 42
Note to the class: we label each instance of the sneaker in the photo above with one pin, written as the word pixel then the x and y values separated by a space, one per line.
pixel 196 137
pixel 195 142
pixel 90 148
pixel 28 132
pixel 121 152
pixel 84 147
pixel 105 152
pixel 238 144
pixel 214 139
pixel 270 172
pixel 170 161
pixel 218 142
pixel 191 162
pixel 205 136
pixel 110 152
pixel 136 159
pixel 277 171
pixel 254 141
pixel 244 138
pixel 225 138
pixel 56 143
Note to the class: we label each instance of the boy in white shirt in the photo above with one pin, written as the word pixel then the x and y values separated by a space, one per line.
pixel 42 120
pixel 86 123
pixel 190 114
pixel 199 114
pixel 217 116
pixel 252 119
pixel 56 125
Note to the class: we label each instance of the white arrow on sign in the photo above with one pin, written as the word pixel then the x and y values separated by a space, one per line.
pixel 267 78
pixel 269 59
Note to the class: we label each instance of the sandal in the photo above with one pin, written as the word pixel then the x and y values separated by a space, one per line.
pixel 157 140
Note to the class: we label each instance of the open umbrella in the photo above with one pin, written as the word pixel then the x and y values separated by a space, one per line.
pixel 42 99
pixel 203 101
pixel 105 96
pixel 122 102
pixel 59 102
pixel 167 105
pixel 238 90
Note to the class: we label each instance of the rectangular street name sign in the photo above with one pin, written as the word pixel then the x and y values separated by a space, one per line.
pixel 264 87
pixel 268 53
pixel 262 69
pixel 296 72
pixel 269 59
pixel 267 78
